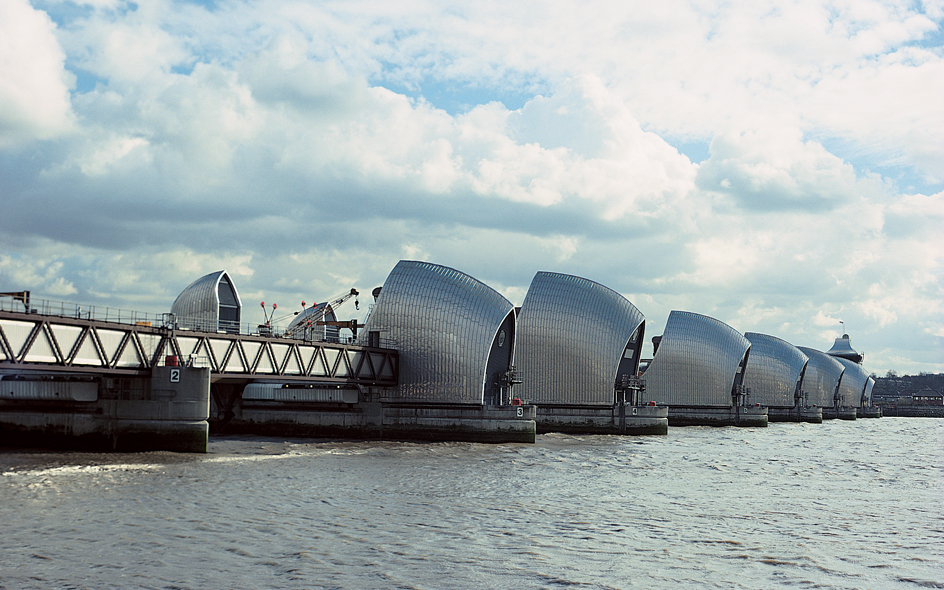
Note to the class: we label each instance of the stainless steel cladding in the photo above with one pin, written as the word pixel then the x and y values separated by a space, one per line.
pixel 453 333
pixel 209 304
pixel 867 396
pixel 773 370
pixel 297 393
pixel 821 378
pixel 575 338
pixel 842 347
pixel 853 383
pixel 48 388
pixel 697 362
pixel 305 325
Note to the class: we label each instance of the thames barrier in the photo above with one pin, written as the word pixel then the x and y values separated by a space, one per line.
pixel 440 356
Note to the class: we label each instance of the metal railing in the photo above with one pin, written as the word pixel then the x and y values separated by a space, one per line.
pixel 114 315
pixel 629 390
pixel 79 311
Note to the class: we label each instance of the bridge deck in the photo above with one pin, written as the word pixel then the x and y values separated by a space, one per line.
pixel 35 342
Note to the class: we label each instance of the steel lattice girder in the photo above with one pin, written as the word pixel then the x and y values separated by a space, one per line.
pixel 36 342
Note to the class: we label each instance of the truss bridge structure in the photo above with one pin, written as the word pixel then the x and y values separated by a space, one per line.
pixel 48 343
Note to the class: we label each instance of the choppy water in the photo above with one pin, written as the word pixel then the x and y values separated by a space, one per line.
pixel 835 505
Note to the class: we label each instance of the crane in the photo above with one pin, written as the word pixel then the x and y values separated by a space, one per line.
pixel 351 325
pixel 23 296
pixel 314 315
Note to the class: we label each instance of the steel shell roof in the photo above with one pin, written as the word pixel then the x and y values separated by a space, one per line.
pixel 868 391
pixel 842 348
pixel 773 370
pixel 821 378
pixel 853 384
pixel 198 305
pixel 301 325
pixel 697 362
pixel 571 338
pixel 444 324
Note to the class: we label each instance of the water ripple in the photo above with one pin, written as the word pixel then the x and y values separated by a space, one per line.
pixel 837 505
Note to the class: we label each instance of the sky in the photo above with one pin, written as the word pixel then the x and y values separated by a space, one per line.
pixel 776 165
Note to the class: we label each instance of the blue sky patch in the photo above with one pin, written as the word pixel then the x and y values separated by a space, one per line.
pixel 86 81
pixel 456 98
pixel 696 151
pixel 906 178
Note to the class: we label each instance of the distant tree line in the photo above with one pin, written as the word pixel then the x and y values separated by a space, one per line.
pixel 893 385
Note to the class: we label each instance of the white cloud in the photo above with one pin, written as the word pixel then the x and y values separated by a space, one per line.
pixel 102 4
pixel 582 142
pixel 413 252
pixel 888 104
pixel 40 273
pixel 189 128
pixel 284 74
pixel 934 8
pixel 110 153
pixel 34 85
pixel 770 171
pixel 128 48
pixel 302 147
pixel 564 246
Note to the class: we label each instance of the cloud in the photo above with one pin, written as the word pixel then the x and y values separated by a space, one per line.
pixel 887 104
pixel 34 88
pixel 44 274
pixel 107 156
pixel 776 171
pixel 126 45
pixel 581 143
pixel 284 74
pixel 306 147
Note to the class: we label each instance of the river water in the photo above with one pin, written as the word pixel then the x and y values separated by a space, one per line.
pixel 836 505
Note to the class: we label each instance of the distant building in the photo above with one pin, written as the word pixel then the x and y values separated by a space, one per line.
pixel 927 397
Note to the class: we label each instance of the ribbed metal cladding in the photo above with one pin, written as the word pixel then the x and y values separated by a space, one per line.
pixel 867 401
pixel 299 327
pixel 821 377
pixel 198 305
pixel 842 347
pixel 853 383
pixel 697 362
pixel 443 323
pixel 773 370
pixel 572 334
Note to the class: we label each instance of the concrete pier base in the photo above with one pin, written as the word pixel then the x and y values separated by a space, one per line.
pixel 91 432
pixel 811 414
pixel 842 413
pixel 912 411
pixel 491 424
pixel 717 416
pixel 167 411
pixel 869 412
pixel 398 421
pixel 626 420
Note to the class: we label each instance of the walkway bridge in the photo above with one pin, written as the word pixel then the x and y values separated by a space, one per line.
pixel 77 341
